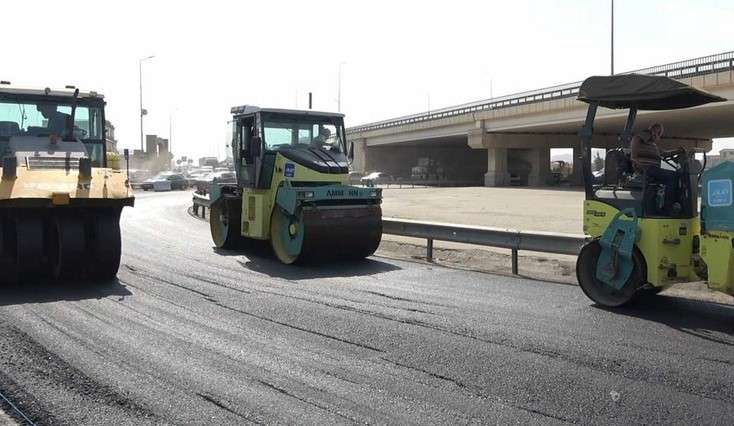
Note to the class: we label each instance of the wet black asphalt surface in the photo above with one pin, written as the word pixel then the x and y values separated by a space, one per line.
pixel 188 335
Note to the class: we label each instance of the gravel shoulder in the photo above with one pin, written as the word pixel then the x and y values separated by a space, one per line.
pixel 5 420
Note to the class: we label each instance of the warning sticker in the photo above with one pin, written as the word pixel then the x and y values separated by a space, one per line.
pixel 719 193
pixel 290 170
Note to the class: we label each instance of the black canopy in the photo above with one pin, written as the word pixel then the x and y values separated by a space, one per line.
pixel 644 92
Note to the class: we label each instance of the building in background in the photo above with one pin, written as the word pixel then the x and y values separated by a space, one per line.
pixel 208 161
pixel 155 158
pixel 110 137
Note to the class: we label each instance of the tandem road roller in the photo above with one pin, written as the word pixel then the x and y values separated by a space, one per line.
pixel 647 233
pixel 60 204
pixel 292 173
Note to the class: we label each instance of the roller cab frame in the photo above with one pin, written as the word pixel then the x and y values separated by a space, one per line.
pixel 292 174
pixel 643 234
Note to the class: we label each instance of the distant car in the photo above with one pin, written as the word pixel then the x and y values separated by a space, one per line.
pixel 165 181
pixel 137 177
pixel 377 178
pixel 197 177
pixel 202 184
pixel 355 177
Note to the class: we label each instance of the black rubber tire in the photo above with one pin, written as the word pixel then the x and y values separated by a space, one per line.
pixel 67 246
pixel 7 255
pixel 105 245
pixel 278 222
pixel 29 250
pixel 600 292
pixel 224 224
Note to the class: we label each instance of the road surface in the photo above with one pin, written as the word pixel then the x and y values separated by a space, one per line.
pixel 191 335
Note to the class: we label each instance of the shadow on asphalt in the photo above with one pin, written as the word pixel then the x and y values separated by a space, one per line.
pixel 338 268
pixel 20 294
pixel 707 320
pixel 260 258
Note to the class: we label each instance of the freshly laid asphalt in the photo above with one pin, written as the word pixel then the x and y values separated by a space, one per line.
pixel 192 335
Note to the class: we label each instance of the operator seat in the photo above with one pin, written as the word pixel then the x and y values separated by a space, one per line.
pixel 620 188
pixel 625 188
pixel 8 129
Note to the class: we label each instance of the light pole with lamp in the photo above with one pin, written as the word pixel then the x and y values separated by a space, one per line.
pixel 142 111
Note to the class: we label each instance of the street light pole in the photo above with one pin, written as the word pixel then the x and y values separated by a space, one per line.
pixel 612 51
pixel 170 131
pixel 142 111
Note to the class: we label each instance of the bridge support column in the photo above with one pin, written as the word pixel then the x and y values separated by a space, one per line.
pixel 540 167
pixel 359 163
pixel 497 173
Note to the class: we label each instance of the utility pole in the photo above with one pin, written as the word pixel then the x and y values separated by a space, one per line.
pixel 142 111
pixel 612 51
pixel 170 131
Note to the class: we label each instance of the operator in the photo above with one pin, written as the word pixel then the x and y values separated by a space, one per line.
pixel 57 121
pixel 646 158
pixel 320 140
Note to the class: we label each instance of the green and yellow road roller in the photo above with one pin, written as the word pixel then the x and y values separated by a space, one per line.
pixel 292 169
pixel 646 233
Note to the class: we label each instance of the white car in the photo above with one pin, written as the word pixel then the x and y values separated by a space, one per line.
pixel 377 178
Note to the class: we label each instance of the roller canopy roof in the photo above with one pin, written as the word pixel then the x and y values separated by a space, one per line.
pixel 644 92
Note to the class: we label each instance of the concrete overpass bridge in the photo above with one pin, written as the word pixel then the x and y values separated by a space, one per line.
pixel 487 142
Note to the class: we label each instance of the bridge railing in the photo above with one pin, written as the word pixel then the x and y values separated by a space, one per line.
pixel 684 69
pixel 515 240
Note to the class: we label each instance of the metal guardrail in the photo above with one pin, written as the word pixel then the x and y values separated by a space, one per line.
pixel 515 240
pixel 201 203
pixel 683 69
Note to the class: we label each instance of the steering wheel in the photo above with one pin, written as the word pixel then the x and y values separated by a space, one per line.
pixel 80 130
pixel 673 158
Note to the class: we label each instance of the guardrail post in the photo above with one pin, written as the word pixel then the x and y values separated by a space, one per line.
pixel 429 250
pixel 203 212
pixel 514 262
pixel 196 209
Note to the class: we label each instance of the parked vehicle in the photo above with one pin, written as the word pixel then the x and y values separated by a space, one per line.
pixel 377 178
pixel 355 178
pixel 175 181
pixel 137 177
pixel 202 184
pixel 194 178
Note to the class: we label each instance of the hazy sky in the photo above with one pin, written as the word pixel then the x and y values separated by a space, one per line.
pixel 398 55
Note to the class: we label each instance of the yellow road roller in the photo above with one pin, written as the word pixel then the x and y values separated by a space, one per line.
pixel 644 225
pixel 292 169
pixel 60 203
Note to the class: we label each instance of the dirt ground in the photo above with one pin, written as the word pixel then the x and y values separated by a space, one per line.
pixel 549 210
pixel 532 209
pixel 529 209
